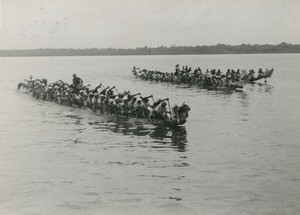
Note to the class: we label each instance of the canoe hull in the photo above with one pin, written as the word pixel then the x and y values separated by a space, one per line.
pixel 267 74
pixel 235 87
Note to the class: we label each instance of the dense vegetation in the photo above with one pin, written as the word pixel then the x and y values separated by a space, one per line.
pixel 162 50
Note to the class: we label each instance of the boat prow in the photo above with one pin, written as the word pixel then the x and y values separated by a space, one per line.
pixel 264 75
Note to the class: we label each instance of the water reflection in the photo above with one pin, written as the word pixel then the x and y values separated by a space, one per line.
pixel 84 120
pixel 261 87
pixel 244 99
pixel 265 88
pixel 176 137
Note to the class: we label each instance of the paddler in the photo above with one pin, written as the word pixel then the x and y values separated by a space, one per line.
pixel 117 106
pixel 159 112
pixel 77 82
pixel 260 72
pixel 139 108
pixel 124 105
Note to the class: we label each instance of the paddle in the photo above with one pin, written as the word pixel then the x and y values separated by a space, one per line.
pixel 169 106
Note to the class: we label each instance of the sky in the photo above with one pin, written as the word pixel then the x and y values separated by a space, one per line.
pixel 32 24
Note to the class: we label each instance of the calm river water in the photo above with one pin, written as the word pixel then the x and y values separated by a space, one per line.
pixel 237 154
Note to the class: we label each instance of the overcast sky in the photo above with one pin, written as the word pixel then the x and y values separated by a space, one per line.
pixel 29 24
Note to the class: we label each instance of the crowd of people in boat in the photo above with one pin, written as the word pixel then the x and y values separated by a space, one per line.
pixel 106 100
pixel 213 78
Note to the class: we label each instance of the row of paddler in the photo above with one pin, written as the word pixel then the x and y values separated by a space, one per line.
pixel 106 100
pixel 209 79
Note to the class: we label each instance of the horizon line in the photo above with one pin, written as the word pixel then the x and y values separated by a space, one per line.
pixel 149 47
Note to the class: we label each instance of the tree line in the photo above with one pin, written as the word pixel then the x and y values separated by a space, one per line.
pixel 162 50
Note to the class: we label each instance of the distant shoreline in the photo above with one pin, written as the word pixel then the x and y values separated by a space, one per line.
pixel 282 48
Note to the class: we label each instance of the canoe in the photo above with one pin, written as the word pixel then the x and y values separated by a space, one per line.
pixel 233 87
pixel 265 75
pixel 173 120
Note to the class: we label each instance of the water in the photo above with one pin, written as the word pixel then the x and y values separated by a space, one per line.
pixel 237 154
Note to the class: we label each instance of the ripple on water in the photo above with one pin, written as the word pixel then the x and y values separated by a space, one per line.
pixel 238 152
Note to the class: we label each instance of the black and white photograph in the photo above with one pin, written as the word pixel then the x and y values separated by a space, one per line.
pixel 149 107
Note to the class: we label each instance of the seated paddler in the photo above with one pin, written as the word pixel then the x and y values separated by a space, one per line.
pixel 139 108
pixel 260 72
pixel 118 109
pixel 159 112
